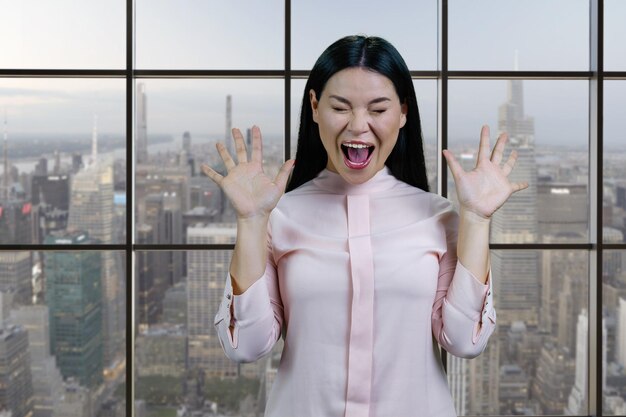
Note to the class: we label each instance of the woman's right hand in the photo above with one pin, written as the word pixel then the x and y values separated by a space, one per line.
pixel 250 191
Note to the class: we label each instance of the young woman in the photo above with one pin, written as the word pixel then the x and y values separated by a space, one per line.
pixel 363 268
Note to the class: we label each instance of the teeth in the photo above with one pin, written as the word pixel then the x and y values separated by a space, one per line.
pixel 355 145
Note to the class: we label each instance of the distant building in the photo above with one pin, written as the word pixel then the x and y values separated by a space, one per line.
pixel 74 296
pixel 562 211
pixel 53 190
pixel 17 222
pixel 16 385
pixel 16 275
pixel 207 272
pixel 91 210
pixel 554 378
pixel 75 401
pixel 577 402
pixel 47 378
pixel 161 350
pixel 141 127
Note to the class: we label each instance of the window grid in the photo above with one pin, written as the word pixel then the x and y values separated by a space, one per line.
pixel 594 248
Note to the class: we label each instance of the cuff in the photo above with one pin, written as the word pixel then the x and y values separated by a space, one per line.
pixel 473 298
pixel 242 310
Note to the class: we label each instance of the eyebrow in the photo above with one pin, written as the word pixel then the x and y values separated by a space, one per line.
pixel 346 101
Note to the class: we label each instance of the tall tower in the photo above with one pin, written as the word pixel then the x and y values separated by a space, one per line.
pixel 74 296
pixel 5 153
pixel 16 393
pixel 228 140
pixel 47 378
pixel 91 210
pixel 207 272
pixel 577 403
pixel 141 123
pixel 16 274
pixel 94 141
pixel 516 272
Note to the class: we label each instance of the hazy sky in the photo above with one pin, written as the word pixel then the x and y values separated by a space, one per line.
pixel 210 34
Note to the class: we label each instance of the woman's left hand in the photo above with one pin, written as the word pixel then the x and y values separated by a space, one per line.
pixel 486 188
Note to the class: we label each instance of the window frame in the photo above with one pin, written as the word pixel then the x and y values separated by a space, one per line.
pixel 595 246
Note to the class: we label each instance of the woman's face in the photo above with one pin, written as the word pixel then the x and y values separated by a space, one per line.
pixel 359 115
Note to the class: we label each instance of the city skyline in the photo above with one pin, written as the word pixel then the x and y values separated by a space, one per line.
pixel 67 169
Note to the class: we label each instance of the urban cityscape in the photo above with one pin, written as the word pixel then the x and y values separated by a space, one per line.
pixel 63 315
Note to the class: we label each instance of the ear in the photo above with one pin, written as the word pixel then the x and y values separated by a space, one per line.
pixel 404 109
pixel 314 104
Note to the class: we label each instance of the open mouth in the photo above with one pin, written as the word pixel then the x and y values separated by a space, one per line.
pixel 357 155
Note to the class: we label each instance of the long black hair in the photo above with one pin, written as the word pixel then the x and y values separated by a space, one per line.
pixel 406 160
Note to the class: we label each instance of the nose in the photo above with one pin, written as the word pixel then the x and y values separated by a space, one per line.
pixel 359 122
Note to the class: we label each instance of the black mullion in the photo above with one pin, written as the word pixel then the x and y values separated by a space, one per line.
pixel 130 169
pixel 61 247
pixel 184 247
pixel 614 75
pixel 443 37
pixel 287 102
pixel 597 14
pixel 209 73
pixel 549 75
pixel 61 73
pixel 595 117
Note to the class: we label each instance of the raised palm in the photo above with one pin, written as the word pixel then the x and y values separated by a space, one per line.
pixel 250 191
pixel 486 188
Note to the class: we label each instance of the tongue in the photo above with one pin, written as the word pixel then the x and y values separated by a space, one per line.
pixel 357 154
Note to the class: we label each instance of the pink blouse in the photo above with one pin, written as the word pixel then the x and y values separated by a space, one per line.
pixel 365 280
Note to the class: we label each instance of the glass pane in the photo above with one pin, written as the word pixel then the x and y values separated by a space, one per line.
pixel 547 123
pixel 178 357
pixel 614 333
pixel 178 123
pixel 531 35
pixel 536 361
pixel 426 92
pixel 410 26
pixel 53 178
pixel 63 34
pixel 65 313
pixel 210 35
pixel 614 192
pixel 614 35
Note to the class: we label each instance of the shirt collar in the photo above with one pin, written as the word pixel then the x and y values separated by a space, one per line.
pixel 334 183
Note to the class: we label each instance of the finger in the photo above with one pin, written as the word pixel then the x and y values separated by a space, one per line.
pixel 240 146
pixel 455 167
pixel 211 173
pixel 498 150
pixel 228 160
pixel 510 163
pixel 519 186
pixel 483 148
pixel 283 174
pixel 257 145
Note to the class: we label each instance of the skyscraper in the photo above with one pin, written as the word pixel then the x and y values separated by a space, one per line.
pixel 577 402
pixel 516 272
pixel 16 387
pixel 47 378
pixel 74 296
pixel 620 348
pixel 141 129
pixel 207 271
pixel 91 210
pixel 16 274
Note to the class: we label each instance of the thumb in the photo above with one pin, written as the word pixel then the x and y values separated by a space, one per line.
pixel 455 167
pixel 283 174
